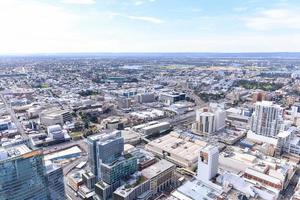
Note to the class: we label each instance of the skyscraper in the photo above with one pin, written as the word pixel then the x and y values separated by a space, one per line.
pixel 22 174
pixel 55 178
pixel 210 119
pixel 208 162
pixel 104 148
pixel 266 119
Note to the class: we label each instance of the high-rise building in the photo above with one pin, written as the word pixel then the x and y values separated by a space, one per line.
pixel 208 162
pixel 56 181
pixel 104 148
pixel 112 173
pixel 267 118
pixel 210 119
pixel 22 174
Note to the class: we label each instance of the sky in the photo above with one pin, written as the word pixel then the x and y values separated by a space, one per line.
pixel 54 26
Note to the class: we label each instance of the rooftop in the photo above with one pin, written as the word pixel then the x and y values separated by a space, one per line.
pixel 14 151
pixel 156 169
pixel 179 145
pixel 195 189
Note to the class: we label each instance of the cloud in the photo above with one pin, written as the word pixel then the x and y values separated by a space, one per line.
pixel 141 2
pixel 34 26
pixel 240 9
pixel 79 2
pixel 274 19
pixel 152 20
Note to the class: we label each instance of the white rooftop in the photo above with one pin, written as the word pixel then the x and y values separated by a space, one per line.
pixel 156 169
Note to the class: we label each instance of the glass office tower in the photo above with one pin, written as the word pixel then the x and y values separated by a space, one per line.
pixel 22 174
pixel 104 148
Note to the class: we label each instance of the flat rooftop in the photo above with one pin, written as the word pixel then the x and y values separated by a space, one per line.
pixel 54 112
pixel 196 190
pixel 157 168
pixel 179 145
pixel 6 153
pixel 69 152
pixel 105 137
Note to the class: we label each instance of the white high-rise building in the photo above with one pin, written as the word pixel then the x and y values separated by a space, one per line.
pixel 208 162
pixel 267 119
pixel 209 120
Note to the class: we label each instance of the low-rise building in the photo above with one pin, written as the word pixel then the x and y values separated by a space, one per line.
pixel 161 175
pixel 170 98
pixel 137 187
pixel 179 149
pixel 55 116
pixel 111 173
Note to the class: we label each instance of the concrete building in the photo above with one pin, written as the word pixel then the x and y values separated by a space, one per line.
pixel 181 150
pixel 250 190
pixel 113 123
pixel 170 98
pixel 208 163
pixel 145 97
pixel 237 117
pixel 156 128
pixel 294 114
pixel 148 115
pixel 75 180
pixel 210 120
pixel 266 119
pixel 89 179
pixel 55 116
pixel 286 141
pixel 263 171
pixel 104 191
pixel 55 132
pixel 161 175
pixel 201 186
pixel 137 187
pixel 198 190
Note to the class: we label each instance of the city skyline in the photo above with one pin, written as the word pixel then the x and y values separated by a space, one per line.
pixel 59 26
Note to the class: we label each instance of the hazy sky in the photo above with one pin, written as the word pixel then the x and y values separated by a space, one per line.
pixel 43 26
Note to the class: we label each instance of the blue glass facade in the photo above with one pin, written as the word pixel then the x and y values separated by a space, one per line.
pixel 104 149
pixel 23 178
pixel 117 171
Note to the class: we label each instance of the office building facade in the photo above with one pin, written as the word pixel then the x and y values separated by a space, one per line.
pixel 23 176
pixel 113 173
pixel 55 178
pixel 104 148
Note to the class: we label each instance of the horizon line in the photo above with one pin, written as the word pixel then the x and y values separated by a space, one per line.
pixel 165 52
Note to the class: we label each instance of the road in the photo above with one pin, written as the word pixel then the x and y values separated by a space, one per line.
pixel 191 93
pixel 180 118
pixel 58 147
pixel 14 118
pixel 70 192
pixel 69 167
